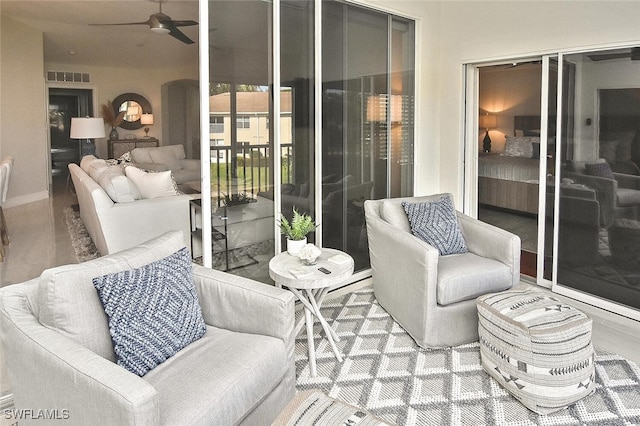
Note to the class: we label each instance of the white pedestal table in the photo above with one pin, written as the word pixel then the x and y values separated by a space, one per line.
pixel 310 285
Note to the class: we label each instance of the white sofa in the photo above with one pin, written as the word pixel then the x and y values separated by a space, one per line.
pixel 168 157
pixel 115 226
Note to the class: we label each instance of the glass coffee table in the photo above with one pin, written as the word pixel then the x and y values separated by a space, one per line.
pixel 310 285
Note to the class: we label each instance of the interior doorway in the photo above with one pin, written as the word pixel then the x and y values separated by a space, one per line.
pixel 63 105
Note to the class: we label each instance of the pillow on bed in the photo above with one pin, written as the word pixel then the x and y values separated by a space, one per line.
pixel 520 146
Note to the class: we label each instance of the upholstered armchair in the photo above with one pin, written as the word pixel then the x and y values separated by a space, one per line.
pixel 619 197
pixel 432 296
pixel 60 355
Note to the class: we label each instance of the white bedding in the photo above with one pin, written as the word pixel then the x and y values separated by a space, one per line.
pixel 509 168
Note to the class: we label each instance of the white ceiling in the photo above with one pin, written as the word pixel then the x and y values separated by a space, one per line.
pixel 66 29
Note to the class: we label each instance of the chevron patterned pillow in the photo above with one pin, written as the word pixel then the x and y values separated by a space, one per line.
pixel 435 222
pixel 153 311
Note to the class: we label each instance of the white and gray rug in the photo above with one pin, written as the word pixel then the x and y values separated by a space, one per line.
pixel 386 373
pixel 81 242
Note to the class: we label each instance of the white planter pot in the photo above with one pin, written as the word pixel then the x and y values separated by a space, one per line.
pixel 294 246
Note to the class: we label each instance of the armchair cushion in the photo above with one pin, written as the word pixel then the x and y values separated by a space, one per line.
pixel 467 276
pixel 627 197
pixel 153 311
pixel 435 223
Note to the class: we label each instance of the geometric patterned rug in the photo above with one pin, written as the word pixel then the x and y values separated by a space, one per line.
pixel 386 373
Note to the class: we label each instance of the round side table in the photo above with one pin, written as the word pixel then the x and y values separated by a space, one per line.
pixel 311 285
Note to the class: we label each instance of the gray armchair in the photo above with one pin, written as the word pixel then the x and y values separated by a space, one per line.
pixel 431 296
pixel 241 371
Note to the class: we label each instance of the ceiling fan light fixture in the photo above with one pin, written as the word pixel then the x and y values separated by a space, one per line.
pixel 161 30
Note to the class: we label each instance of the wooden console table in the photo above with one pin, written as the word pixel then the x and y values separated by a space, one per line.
pixel 120 146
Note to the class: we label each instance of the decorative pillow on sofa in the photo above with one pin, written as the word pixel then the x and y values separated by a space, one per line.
pixel 153 311
pixel 436 223
pixel 152 185
pixel 119 187
pixel 599 169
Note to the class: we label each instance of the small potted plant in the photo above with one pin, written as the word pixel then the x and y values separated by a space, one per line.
pixel 296 231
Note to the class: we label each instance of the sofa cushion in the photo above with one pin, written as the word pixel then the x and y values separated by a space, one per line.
pixel 186 175
pixel 119 188
pixel 153 311
pixel 436 223
pixel 467 276
pixel 141 155
pixel 152 185
pixel 233 373
pixel 167 157
pixel 69 304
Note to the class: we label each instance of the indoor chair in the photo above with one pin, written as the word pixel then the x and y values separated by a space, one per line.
pixel 432 296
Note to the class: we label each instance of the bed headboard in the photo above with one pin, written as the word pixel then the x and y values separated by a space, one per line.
pixel 530 124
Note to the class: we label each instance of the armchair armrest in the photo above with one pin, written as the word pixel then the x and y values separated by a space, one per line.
pixel 492 242
pixel 605 194
pixel 243 305
pixel 92 389
pixel 190 164
pixel 627 181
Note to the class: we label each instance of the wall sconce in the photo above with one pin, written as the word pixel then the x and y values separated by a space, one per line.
pixel 377 108
pixel 146 119
pixel 487 122
pixel 87 128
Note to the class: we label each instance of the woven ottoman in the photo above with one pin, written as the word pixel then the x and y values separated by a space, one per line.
pixel 537 347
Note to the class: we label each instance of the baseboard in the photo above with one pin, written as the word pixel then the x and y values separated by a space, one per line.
pixel 25 199
pixel 6 402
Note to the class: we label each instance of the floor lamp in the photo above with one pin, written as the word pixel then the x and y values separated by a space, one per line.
pixel 87 128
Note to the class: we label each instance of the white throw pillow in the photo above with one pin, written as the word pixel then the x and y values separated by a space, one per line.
pixel 119 187
pixel 152 185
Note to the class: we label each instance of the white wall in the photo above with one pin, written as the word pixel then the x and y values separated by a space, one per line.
pixel 109 82
pixel 458 32
pixel 23 120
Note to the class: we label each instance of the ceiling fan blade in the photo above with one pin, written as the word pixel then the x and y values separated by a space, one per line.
pixel 122 23
pixel 184 23
pixel 176 33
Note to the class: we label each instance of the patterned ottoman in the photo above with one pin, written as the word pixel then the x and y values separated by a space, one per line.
pixel 538 348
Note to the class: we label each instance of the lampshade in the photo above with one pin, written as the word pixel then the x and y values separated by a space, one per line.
pixel 488 121
pixel 377 108
pixel 87 128
pixel 146 119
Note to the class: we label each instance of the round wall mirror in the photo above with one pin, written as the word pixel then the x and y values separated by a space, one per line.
pixel 133 106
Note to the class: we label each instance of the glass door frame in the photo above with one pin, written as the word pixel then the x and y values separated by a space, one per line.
pixel 470 181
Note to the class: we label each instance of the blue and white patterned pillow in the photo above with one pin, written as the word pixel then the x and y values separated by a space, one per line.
pixel 435 222
pixel 153 311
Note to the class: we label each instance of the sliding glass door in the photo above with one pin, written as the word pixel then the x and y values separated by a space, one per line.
pixel 570 184
pixel 310 108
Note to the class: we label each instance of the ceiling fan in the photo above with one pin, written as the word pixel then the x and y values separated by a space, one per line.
pixel 633 53
pixel 161 23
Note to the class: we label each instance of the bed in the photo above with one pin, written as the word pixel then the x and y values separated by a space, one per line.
pixel 509 180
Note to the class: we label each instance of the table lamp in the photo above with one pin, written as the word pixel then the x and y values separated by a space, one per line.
pixel 87 128
pixel 488 122
pixel 148 120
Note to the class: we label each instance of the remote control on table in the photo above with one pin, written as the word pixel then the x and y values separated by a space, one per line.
pixel 324 270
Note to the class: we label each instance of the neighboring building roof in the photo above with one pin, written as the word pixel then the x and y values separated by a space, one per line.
pixel 248 102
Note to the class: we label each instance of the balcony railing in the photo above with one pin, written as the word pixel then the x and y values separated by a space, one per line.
pixel 245 169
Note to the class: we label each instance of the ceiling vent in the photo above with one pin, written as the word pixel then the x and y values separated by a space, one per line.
pixel 68 76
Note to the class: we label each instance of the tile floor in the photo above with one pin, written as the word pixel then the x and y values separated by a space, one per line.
pixel 39 240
